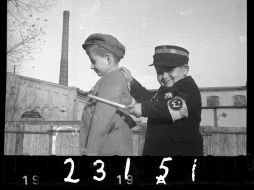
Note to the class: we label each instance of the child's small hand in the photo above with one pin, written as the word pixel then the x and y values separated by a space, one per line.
pixel 127 74
pixel 135 109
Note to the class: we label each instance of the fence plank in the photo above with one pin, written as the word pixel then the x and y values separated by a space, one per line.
pixel 227 145
pixel 241 145
pixel 13 141
pixel 67 143
pixel 136 145
pixel 36 144
pixel 9 140
pixel 207 144
pixel 226 141
pixel 139 133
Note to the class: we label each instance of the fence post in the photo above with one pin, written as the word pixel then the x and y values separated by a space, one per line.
pixel 215 117
pixel 50 134
pixel 19 138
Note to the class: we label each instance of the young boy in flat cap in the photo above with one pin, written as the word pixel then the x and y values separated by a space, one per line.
pixel 174 110
pixel 105 131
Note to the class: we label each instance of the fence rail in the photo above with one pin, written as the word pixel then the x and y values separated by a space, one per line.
pixel 62 138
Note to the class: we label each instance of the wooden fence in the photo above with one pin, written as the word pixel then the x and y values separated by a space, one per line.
pixel 62 138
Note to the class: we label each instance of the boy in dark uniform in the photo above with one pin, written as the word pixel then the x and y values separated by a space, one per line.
pixel 174 110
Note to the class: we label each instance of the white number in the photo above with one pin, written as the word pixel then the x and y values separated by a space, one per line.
pixel 100 170
pixel 127 177
pixel 176 103
pixel 161 178
pixel 119 178
pixel 25 177
pixel 193 170
pixel 68 178
pixel 35 180
pixel 126 171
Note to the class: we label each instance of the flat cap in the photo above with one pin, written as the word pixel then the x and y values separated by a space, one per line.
pixel 171 56
pixel 106 41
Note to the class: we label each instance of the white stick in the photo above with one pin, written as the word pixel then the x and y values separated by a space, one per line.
pixel 106 101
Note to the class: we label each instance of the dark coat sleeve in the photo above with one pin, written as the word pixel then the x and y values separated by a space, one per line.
pixel 156 109
pixel 140 93
pixel 191 94
pixel 188 92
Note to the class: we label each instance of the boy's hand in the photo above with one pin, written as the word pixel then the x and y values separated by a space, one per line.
pixel 135 109
pixel 127 75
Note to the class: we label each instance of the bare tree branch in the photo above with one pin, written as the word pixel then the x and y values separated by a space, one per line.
pixel 24 28
pixel 27 40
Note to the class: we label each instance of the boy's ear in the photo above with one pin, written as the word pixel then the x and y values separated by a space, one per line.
pixel 110 58
pixel 186 70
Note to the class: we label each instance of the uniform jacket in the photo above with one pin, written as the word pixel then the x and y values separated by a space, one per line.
pixel 174 116
pixel 104 129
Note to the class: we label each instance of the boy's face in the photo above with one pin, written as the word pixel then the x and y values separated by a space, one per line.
pixel 168 76
pixel 99 64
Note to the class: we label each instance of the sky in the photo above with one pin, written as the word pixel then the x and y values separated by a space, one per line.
pixel 213 31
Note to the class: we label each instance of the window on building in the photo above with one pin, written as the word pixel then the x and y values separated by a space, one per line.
pixel 239 100
pixel 213 101
pixel 31 114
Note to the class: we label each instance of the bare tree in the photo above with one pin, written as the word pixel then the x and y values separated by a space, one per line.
pixel 24 30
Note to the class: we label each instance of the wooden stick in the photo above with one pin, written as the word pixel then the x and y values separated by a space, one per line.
pixel 106 101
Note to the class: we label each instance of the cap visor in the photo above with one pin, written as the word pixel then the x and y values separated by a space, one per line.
pixel 86 44
pixel 164 64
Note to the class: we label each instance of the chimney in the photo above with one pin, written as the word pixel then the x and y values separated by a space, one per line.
pixel 63 78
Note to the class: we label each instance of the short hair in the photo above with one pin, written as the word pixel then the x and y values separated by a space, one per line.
pixel 101 51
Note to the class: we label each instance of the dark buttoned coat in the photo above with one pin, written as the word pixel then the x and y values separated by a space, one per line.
pixel 174 116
